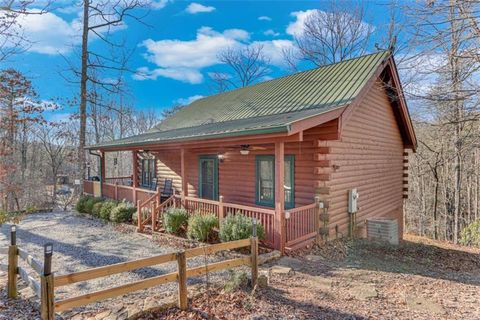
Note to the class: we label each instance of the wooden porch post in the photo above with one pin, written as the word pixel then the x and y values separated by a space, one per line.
pixel 134 175
pixel 279 196
pixel 183 173
pixel 102 172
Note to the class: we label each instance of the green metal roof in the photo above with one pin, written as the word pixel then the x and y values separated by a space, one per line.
pixel 267 107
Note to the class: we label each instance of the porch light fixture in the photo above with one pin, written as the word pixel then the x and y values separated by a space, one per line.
pixel 244 149
pixel 221 157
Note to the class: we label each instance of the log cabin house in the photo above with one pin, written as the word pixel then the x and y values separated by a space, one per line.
pixel 287 151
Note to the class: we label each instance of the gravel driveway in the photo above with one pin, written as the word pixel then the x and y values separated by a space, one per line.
pixel 81 243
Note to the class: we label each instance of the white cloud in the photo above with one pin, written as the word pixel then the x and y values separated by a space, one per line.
pixel 296 27
pixel 273 50
pixel 195 8
pixel 187 101
pixel 48 33
pixel 183 60
pixel 159 4
pixel 271 32
pixel 264 18
pixel 51 34
pixel 187 75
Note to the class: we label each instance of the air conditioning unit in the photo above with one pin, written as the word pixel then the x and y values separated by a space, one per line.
pixel 383 230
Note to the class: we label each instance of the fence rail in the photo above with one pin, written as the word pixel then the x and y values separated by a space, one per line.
pixel 45 288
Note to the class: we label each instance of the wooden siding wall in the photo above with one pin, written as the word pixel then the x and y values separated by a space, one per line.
pixel 369 157
pixel 237 172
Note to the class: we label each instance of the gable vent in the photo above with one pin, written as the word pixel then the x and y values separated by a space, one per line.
pixel 383 230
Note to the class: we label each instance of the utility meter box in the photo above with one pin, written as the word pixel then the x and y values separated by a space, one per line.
pixel 352 201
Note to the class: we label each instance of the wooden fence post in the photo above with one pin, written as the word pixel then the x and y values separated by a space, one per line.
pixel 182 281
pixel 12 263
pixel 116 190
pixel 254 253
pixel 47 289
pixel 221 213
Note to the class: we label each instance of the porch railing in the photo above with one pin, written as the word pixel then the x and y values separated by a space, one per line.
pixel 117 191
pixel 124 181
pixel 301 224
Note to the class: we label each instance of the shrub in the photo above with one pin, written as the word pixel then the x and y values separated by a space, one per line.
pixel 97 207
pixel 238 227
pixel 470 235
pixel 90 203
pixel 107 208
pixel 81 204
pixel 145 213
pixel 122 213
pixel 236 280
pixel 174 219
pixel 201 227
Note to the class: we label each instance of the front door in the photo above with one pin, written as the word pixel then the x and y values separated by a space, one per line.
pixel 208 177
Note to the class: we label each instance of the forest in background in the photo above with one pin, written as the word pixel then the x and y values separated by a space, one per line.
pixel 437 50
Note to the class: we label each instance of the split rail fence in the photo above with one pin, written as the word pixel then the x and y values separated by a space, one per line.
pixel 45 288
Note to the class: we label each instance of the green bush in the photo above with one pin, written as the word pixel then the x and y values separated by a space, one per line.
pixel 107 208
pixel 201 227
pixel 122 213
pixel 239 227
pixel 470 235
pixel 90 203
pixel 174 219
pixel 81 204
pixel 97 207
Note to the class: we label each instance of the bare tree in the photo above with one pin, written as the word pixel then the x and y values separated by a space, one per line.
pixel 100 18
pixel 12 40
pixel 17 111
pixel 246 65
pixel 446 40
pixel 57 141
pixel 331 36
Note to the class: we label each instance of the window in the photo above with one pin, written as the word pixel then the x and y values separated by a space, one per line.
pixel 148 172
pixel 265 181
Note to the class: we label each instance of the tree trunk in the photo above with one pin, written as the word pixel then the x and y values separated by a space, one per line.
pixel 83 95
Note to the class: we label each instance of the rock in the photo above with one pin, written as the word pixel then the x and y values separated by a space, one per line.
pixel 314 258
pixel 270 256
pixel 116 308
pixel 281 270
pixel 131 311
pixel 150 303
pixel 364 291
pixel 103 315
pixel 292 263
pixel 263 279
pixel 423 304
pixel 322 283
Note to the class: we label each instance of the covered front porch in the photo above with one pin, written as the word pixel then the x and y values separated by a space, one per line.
pixel 268 179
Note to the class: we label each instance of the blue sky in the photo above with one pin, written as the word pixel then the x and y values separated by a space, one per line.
pixel 175 49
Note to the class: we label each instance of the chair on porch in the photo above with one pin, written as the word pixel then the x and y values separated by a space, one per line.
pixel 167 191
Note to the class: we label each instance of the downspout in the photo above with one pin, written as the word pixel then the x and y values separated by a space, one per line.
pixel 100 171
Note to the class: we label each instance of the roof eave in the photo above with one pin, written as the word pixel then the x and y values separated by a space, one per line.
pixel 127 146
